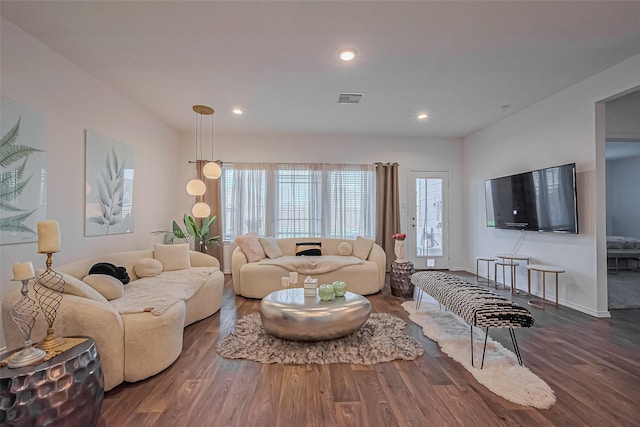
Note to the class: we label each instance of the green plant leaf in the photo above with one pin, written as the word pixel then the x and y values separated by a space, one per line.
pixel 11 182
pixel 213 239
pixel 12 153
pixel 111 191
pixel 9 192
pixel 206 223
pixel 6 178
pixel 97 220
pixel 16 223
pixel 10 137
pixel 191 226
pixel 178 232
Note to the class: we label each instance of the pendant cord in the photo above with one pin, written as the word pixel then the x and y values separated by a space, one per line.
pixel 196 127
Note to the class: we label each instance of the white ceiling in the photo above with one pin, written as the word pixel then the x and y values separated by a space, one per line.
pixel 459 61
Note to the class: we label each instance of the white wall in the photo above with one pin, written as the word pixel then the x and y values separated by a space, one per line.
pixel 623 117
pixel 566 127
pixel 412 154
pixel 623 197
pixel 71 102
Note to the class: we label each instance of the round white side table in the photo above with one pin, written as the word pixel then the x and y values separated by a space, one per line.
pixel 488 260
pixel 544 269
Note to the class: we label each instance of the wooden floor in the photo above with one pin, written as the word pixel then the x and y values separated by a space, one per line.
pixel 592 364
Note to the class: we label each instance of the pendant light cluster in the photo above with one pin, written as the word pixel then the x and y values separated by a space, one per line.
pixel 211 170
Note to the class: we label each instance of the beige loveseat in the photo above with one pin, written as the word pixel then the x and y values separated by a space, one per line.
pixel 257 279
pixel 140 333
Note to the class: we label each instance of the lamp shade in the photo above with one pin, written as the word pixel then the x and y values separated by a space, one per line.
pixel 212 170
pixel 201 210
pixel 195 187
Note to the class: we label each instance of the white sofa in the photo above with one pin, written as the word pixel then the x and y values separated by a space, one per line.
pixel 133 342
pixel 257 279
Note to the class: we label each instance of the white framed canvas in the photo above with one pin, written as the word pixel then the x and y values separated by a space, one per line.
pixel 109 172
pixel 23 172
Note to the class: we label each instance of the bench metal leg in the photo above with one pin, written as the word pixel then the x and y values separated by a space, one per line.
pixel 472 346
pixel 484 348
pixel 516 349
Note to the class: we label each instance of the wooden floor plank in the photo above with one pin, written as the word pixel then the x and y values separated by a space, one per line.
pixel 291 407
pixel 592 364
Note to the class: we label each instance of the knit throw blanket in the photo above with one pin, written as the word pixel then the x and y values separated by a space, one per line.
pixel 313 264
pixel 156 294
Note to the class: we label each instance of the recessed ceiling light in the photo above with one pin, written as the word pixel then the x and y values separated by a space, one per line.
pixel 237 111
pixel 348 54
pixel 422 116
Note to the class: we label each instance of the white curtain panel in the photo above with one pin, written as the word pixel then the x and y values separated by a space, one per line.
pixel 299 200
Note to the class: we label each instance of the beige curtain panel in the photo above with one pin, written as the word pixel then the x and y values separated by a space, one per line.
pixel 212 197
pixel 388 208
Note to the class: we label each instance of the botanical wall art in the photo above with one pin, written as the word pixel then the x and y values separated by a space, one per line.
pixel 23 171
pixel 109 188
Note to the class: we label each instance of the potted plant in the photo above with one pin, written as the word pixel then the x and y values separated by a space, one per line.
pixel 192 232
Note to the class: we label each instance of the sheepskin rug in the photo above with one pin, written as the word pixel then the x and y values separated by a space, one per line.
pixel 501 373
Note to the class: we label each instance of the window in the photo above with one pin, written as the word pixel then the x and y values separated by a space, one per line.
pixel 298 200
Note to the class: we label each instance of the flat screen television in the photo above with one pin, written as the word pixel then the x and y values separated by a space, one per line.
pixel 540 200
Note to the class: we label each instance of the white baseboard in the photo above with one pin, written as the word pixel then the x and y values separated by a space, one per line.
pixel 594 313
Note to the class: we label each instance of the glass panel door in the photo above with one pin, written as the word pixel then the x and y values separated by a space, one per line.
pixel 428 215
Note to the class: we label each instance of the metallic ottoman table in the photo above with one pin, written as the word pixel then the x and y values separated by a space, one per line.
pixel 288 314
pixel 66 390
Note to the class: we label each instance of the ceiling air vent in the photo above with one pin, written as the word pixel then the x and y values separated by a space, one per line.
pixel 349 98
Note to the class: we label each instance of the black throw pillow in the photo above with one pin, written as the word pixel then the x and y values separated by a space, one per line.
pixel 308 249
pixel 119 273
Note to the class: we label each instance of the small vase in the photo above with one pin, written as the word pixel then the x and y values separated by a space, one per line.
pixel 399 250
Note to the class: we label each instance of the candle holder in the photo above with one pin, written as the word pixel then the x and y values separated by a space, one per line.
pixel 24 315
pixel 49 287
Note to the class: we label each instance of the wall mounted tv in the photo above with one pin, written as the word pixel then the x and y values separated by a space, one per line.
pixel 540 200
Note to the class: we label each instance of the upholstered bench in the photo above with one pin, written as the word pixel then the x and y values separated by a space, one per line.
pixel 475 304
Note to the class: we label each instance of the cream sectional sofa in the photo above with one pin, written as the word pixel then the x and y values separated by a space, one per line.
pixel 257 279
pixel 139 334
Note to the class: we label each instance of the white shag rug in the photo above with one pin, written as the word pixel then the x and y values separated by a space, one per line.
pixel 501 373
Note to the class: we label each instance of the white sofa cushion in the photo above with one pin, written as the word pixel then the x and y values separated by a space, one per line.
pixel 108 286
pixel 362 247
pixel 147 267
pixel 345 249
pixel 271 248
pixel 250 244
pixel 172 257
pixel 75 286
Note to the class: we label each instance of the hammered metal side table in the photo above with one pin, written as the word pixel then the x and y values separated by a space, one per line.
pixel 66 390
pixel 401 285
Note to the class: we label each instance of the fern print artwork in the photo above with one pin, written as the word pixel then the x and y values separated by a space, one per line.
pixel 22 172
pixel 110 173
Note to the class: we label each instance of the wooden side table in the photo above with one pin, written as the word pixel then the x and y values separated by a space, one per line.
pixel 511 265
pixel 401 285
pixel 488 260
pixel 66 390
pixel 544 269
pixel 512 259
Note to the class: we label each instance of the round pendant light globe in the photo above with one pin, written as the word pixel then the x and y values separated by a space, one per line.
pixel 212 170
pixel 201 210
pixel 195 187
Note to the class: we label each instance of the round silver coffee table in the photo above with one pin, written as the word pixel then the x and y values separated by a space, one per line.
pixel 288 314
